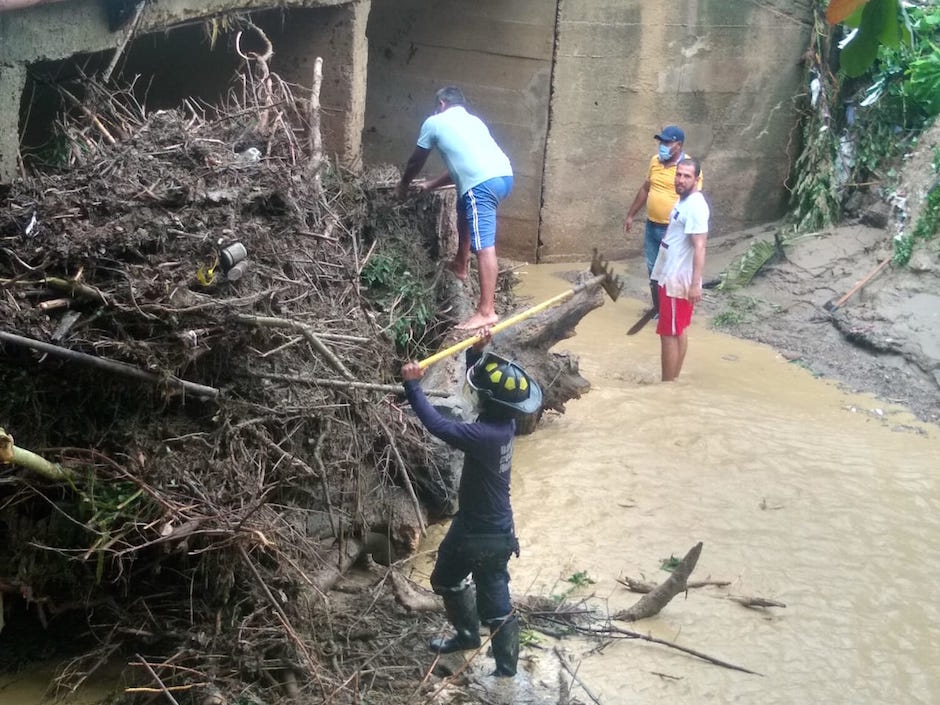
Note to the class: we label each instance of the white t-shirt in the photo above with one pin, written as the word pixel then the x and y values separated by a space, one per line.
pixel 673 268
pixel 469 151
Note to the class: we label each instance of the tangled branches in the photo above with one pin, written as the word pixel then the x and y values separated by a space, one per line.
pixel 199 537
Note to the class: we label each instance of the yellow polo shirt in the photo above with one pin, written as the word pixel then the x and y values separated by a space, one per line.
pixel 662 196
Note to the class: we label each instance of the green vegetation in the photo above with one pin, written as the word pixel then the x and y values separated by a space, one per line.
pixel 741 309
pixel 728 319
pixel 397 289
pixel 863 120
pixel 877 24
pixel 529 637
pixel 745 268
pixel 580 579
pixel 670 564
pixel 577 580
pixel 927 225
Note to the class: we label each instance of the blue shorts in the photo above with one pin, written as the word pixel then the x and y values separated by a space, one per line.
pixel 655 232
pixel 478 207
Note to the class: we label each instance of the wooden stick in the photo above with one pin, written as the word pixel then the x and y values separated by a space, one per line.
pixel 306 331
pixel 859 284
pixel 160 683
pixel 344 384
pixel 574 675
pixel 101 363
pixel 316 138
pixel 672 645
pixel 138 11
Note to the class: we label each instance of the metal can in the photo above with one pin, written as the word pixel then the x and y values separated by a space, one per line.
pixel 237 271
pixel 232 254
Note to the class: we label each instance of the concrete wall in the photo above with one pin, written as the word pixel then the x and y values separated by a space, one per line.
pixel 572 89
pixel 170 49
pixel 724 70
pixel 499 52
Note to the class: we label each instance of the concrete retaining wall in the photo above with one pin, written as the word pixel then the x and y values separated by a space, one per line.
pixel 499 53
pixel 726 70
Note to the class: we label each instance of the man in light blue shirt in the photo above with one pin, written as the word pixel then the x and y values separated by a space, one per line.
pixel 483 176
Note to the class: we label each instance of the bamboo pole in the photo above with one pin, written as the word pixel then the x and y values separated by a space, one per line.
pixel 9 453
pixel 198 390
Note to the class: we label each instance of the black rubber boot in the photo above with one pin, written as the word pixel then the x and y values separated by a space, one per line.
pixel 654 294
pixel 505 642
pixel 461 608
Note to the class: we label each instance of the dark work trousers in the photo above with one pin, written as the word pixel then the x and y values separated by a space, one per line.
pixel 485 556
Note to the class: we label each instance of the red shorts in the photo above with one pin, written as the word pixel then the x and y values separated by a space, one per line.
pixel 675 315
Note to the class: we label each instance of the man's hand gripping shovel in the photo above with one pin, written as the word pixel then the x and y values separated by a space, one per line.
pixel 602 276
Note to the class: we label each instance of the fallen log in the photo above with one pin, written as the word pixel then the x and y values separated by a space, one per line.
pixel 640 586
pixel 652 602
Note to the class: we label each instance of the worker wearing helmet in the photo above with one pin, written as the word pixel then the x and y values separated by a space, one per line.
pixel 481 537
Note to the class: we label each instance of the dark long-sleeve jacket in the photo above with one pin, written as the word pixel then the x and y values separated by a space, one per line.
pixel 483 495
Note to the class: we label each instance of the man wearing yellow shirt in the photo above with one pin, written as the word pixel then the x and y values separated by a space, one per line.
pixel 658 194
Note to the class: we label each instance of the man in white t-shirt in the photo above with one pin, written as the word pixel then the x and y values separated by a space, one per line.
pixel 483 176
pixel 679 267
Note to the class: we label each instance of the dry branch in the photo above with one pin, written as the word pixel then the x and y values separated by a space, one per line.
pixel 755 601
pixel 122 368
pixel 306 331
pixel 345 384
pixel 313 119
pixel 641 586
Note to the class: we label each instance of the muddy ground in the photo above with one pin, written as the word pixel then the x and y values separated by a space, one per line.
pixel 884 339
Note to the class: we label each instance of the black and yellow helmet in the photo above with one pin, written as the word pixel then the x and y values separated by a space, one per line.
pixel 504 383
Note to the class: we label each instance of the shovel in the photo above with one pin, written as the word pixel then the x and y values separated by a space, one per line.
pixel 830 306
pixel 602 275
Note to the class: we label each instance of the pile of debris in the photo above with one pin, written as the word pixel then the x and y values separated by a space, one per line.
pixel 187 339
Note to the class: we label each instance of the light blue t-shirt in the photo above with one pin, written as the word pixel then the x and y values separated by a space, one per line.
pixel 469 151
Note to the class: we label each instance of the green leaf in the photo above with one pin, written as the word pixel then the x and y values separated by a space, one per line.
pixel 855 19
pixel 860 53
pixel 888 22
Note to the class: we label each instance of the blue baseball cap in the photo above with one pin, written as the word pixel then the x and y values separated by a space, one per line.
pixel 671 133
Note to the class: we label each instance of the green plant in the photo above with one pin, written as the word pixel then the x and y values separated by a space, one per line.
pixel 727 319
pixel 577 580
pixel 927 224
pixel 815 201
pixel 670 564
pixel 900 94
pixel 580 579
pixel 743 270
pixel 529 637
pixel 402 295
pixel 878 23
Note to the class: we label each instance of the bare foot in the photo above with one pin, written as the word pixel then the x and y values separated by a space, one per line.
pixel 476 321
pixel 458 270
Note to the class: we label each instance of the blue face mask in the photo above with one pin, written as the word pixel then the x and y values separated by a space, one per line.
pixel 665 152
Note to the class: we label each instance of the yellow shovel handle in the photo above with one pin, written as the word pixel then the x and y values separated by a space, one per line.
pixel 504 324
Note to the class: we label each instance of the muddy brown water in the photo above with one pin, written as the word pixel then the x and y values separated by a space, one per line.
pixel 800 493
pixel 824 501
